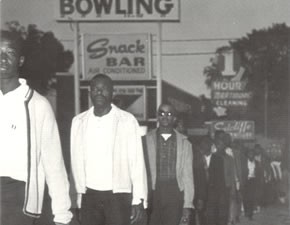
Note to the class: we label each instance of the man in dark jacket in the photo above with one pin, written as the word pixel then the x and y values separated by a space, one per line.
pixel 221 181
pixel 251 171
pixel 201 160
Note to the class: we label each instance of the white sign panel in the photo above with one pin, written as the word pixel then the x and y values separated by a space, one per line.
pixel 132 99
pixel 121 56
pixel 117 10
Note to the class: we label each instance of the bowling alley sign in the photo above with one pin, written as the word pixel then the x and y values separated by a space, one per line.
pixel 121 56
pixel 117 10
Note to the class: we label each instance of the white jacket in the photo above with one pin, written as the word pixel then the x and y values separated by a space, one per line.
pixel 45 162
pixel 129 172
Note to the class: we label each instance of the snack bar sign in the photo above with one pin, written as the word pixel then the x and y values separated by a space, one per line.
pixel 121 56
pixel 117 10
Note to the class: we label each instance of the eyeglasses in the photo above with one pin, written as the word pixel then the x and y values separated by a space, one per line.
pixel 163 113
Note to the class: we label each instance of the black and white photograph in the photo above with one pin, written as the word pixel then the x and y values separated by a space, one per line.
pixel 144 112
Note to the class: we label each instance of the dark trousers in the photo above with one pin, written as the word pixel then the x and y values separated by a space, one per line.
pixel 105 208
pixel 250 196
pixel 11 203
pixel 217 209
pixel 198 217
pixel 167 204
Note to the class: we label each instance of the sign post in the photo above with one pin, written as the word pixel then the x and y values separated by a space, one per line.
pixel 76 66
pixel 159 66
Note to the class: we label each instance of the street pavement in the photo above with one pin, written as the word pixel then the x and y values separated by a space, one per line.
pixel 275 214
pixel 271 215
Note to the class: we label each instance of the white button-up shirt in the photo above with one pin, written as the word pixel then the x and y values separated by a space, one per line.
pixel 13 133
pixel 251 168
pixel 99 151
pixel 207 159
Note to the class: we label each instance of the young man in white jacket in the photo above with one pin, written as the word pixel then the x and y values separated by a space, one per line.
pixel 107 161
pixel 30 150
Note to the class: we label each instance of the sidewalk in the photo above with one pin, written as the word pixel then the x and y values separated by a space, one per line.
pixel 272 215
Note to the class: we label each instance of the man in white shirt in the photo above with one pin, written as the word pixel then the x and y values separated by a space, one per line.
pixel 107 161
pixel 235 203
pixel 30 150
pixel 251 174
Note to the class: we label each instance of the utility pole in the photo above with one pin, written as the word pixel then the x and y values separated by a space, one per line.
pixel 159 67
pixel 76 68
pixel 266 95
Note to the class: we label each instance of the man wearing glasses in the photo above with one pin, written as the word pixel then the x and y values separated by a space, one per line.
pixel 168 157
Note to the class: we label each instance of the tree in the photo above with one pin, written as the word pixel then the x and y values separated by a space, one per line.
pixel 213 71
pixel 44 56
pixel 264 53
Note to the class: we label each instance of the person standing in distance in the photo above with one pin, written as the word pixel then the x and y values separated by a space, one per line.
pixel 169 161
pixel 107 161
pixel 30 150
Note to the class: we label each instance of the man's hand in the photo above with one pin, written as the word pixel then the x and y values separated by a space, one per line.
pixel 185 216
pixel 78 215
pixel 199 204
pixel 137 213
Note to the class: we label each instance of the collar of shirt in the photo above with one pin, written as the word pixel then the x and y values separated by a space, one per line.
pixel 207 159
pixel 165 136
pixel 105 117
pixel 18 93
pixel 159 132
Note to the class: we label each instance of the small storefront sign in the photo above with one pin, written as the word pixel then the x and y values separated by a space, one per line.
pixel 238 129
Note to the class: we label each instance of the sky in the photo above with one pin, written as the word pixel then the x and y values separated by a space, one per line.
pixel 200 19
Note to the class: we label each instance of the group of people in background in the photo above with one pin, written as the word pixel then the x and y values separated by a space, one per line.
pixel 115 173
pixel 232 179
pixel 226 179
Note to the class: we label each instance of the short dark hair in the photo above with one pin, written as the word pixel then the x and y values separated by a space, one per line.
pixel 170 105
pixel 101 76
pixel 250 150
pixel 205 140
pixel 219 133
pixel 15 39
pixel 258 146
